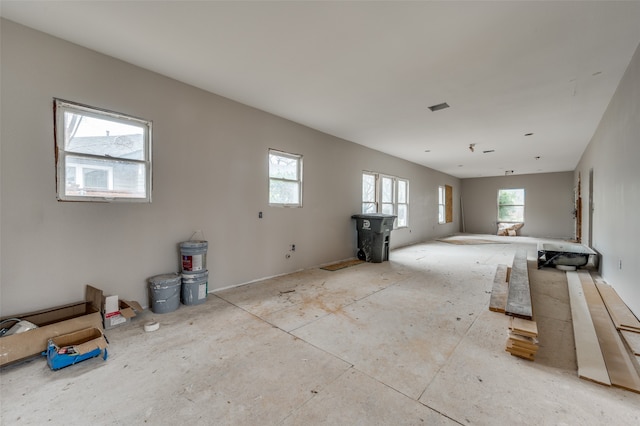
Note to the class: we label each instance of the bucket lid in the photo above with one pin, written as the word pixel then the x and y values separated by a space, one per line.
pixel 194 244
pixel 164 279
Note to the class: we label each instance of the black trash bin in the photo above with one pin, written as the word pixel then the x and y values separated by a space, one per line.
pixel 374 233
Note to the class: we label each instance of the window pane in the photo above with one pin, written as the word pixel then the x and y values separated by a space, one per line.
pixel 387 190
pixel 511 196
pixel 283 167
pixel 511 214
pixel 104 137
pixel 402 215
pixel 369 208
pixel 441 195
pixel 402 191
pixel 368 188
pixel 104 178
pixel 440 213
pixel 387 208
pixel 283 192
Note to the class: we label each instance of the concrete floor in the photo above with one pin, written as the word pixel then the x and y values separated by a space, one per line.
pixel 409 341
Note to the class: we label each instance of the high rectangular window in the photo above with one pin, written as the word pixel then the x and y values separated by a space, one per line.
pixel 511 205
pixel 285 179
pixel 386 194
pixel 101 155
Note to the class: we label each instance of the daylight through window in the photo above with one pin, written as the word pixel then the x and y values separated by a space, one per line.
pixel 285 179
pixel 101 155
pixel 511 205
pixel 386 194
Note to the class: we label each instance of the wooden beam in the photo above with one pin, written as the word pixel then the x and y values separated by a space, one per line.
pixel 621 370
pixel 499 290
pixel 633 340
pixel 519 298
pixel 620 313
pixel 591 365
pixel 523 327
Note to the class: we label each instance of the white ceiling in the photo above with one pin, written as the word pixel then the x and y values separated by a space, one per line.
pixel 367 71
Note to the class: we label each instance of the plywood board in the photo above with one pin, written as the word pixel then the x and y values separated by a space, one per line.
pixel 632 339
pixel 591 365
pixel 519 298
pixel 499 290
pixel 524 327
pixel 620 313
pixel 621 370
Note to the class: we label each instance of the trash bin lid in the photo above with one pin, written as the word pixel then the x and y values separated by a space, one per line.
pixel 373 216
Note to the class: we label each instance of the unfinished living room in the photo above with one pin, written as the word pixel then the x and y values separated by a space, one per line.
pixel 300 213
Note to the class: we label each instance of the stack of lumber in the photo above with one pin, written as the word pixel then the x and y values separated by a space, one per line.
pixel 523 338
pixel 601 354
pixel 511 295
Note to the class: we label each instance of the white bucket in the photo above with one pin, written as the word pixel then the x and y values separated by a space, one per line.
pixel 194 287
pixel 194 256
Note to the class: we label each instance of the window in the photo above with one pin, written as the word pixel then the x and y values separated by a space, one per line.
pixel 369 198
pixel 511 205
pixel 386 194
pixel 285 179
pixel 445 204
pixel 101 155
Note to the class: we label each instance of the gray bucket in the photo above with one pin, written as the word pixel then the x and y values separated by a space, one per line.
pixel 194 287
pixel 194 255
pixel 165 293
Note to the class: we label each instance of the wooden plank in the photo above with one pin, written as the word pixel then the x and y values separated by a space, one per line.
pixel 621 370
pixel 523 341
pixel 591 365
pixel 618 310
pixel 632 339
pixel 519 298
pixel 524 327
pixel 500 290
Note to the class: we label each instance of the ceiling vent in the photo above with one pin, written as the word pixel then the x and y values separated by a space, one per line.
pixel 438 107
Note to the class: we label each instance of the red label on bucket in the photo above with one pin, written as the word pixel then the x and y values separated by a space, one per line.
pixel 186 263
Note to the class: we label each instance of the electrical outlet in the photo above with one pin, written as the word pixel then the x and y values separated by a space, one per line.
pixel 259 215
pixel 293 247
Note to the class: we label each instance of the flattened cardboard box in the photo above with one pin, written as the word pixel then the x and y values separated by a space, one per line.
pixel 51 322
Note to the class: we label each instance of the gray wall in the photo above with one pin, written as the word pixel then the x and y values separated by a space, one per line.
pixel 548 207
pixel 210 173
pixel 614 157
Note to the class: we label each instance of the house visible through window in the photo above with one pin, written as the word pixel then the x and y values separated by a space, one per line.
pixel 386 194
pixel 101 155
pixel 285 179
pixel 445 204
pixel 511 205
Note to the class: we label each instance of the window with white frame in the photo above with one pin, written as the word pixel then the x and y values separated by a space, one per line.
pixel 386 194
pixel 445 204
pixel 511 205
pixel 369 193
pixel 101 155
pixel 285 179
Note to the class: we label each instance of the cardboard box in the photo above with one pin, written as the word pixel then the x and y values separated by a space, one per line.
pixel 51 322
pixel 114 312
pixel 72 348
